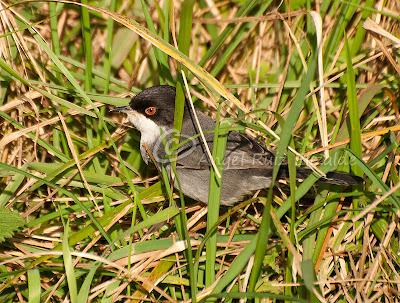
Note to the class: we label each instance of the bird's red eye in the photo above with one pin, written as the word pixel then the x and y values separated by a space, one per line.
pixel 150 111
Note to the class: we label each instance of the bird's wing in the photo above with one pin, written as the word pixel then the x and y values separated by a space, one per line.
pixel 242 152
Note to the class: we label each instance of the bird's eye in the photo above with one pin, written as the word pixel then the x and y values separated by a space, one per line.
pixel 150 111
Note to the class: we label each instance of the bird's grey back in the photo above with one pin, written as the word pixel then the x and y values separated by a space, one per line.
pixel 247 165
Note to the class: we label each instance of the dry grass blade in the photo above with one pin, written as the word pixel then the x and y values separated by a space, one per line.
pixel 323 126
pixel 203 138
pixel 76 159
pixel 375 28
pixel 374 204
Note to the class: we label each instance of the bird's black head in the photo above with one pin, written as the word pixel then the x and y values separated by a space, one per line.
pixel 152 113
pixel 156 103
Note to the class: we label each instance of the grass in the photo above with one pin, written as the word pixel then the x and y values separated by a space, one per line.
pixel 85 220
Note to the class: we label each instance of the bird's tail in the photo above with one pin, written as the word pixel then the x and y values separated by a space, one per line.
pixel 334 178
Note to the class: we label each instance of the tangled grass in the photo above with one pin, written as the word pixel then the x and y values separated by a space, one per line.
pixel 84 220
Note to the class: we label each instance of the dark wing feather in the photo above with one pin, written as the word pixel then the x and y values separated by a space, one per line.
pixel 242 152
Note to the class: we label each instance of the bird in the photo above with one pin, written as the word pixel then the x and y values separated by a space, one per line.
pixel 247 164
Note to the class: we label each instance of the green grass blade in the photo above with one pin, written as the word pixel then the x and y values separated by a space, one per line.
pixel 161 57
pixel 85 289
pixel 236 40
pixel 244 9
pixel 184 38
pixel 34 285
pixel 236 267
pixel 286 134
pixel 214 196
pixel 5 67
pixel 344 13
pixel 50 148
pixel 69 267
pixel 65 192
pixel 108 48
pixel 11 188
pixel 376 180
pixel 87 47
pixel 292 232
pixel 355 130
pixel 307 268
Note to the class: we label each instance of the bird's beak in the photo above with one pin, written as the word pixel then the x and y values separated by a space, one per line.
pixel 121 109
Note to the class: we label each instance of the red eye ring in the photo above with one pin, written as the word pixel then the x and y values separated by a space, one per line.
pixel 150 111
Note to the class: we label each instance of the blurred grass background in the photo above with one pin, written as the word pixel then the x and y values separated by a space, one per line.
pixel 82 219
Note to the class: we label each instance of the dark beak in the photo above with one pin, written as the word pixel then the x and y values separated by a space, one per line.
pixel 121 109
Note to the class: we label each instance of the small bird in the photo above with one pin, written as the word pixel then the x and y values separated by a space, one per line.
pixel 247 164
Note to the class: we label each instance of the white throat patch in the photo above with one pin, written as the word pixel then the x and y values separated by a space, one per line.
pixel 149 131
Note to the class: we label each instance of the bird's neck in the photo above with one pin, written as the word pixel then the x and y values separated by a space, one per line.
pixel 149 133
